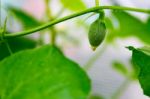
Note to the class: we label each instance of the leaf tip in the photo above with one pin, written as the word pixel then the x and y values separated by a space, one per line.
pixel 130 48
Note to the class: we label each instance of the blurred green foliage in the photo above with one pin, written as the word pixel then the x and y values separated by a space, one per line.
pixel 129 26
pixel 73 5
pixel 120 67
pixel 26 20
pixel 42 73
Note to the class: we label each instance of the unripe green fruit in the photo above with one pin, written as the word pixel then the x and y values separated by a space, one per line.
pixel 97 33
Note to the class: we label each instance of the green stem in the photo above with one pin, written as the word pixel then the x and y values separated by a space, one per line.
pixel 121 89
pixel 8 47
pixel 60 12
pixel 53 35
pixel 97 2
pixel 52 29
pixel 47 11
pixel 93 59
pixel 101 12
pixel 51 23
pixel 89 16
pixel 2 36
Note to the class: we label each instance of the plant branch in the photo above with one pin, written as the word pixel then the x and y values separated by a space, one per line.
pixel 121 89
pixel 72 16
pixel 93 59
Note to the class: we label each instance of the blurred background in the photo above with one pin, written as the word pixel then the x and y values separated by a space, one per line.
pixel 110 68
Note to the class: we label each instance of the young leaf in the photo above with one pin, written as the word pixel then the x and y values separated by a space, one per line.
pixel 141 58
pixel 120 68
pixel 26 20
pixel 42 73
pixel 73 5
pixel 16 44
pixel 131 26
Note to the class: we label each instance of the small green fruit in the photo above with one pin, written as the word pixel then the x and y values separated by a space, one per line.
pixel 97 33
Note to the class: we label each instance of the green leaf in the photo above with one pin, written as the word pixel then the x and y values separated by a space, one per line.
pixel 1 30
pixel 145 49
pixel 16 44
pixel 111 32
pixel 74 5
pixel 42 73
pixel 131 26
pixel 135 70
pixel 148 21
pixel 27 20
pixel 141 58
pixel 148 24
pixel 120 68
